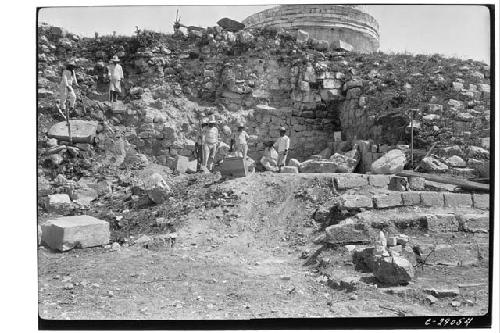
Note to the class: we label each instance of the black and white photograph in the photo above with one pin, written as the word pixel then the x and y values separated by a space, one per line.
pixel 271 165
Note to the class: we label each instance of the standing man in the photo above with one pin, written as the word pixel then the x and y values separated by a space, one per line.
pixel 210 141
pixel 198 148
pixel 66 87
pixel 115 73
pixel 282 145
pixel 240 141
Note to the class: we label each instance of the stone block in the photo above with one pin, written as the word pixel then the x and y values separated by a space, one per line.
pixel 348 231
pixel 82 131
pixel 356 201
pixel 454 255
pixel 289 169
pixel 457 200
pixel 398 184
pixel 442 223
pixel 416 183
pixel 350 181
pixel 69 232
pixel 481 201
pixel 58 203
pixel 387 200
pixel 474 222
pixel 431 199
pixel 411 198
pixel 379 180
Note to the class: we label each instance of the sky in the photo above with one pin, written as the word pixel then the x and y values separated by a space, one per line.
pixel 451 30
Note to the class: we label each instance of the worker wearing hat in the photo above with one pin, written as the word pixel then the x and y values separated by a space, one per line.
pixel 115 73
pixel 198 146
pixel 240 141
pixel 270 157
pixel 210 141
pixel 282 145
pixel 66 87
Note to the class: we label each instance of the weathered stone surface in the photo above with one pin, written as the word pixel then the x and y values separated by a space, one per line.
pixel 58 203
pixel 398 184
pixel 442 292
pixel 411 198
pixel 433 165
pixel 294 162
pixel 289 169
pixel 346 232
pixel 431 198
pixel 348 201
pixel 457 200
pixel 318 166
pixel 363 259
pixel 379 180
pixel 387 200
pixel 442 222
pixel 454 255
pixel 84 196
pixel 82 131
pixel 481 201
pixel 391 162
pixel 157 188
pixel 345 162
pixel 302 36
pixel 350 181
pixel 455 161
pixel 474 222
pixel 393 270
pixel 480 167
pixel 68 232
pixel 416 183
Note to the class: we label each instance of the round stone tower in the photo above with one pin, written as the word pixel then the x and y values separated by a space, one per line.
pixel 333 23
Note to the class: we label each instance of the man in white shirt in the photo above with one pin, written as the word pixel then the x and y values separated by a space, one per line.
pixel 210 141
pixel 282 145
pixel 115 73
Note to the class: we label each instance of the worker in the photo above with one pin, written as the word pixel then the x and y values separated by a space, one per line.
pixel 198 146
pixel 282 145
pixel 115 74
pixel 226 136
pixel 240 141
pixel 66 87
pixel 210 141
pixel 270 158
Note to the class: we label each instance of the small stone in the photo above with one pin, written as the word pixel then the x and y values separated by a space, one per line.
pixel 68 286
pixel 455 304
pixel 430 299
pixel 353 297
pixel 392 241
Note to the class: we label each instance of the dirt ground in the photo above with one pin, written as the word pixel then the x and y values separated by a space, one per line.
pixel 235 262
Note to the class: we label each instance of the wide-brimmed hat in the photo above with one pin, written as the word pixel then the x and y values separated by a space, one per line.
pixel 115 58
pixel 282 129
pixel 211 120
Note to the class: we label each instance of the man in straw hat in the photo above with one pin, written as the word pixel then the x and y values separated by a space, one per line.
pixel 282 145
pixel 66 87
pixel 210 141
pixel 240 141
pixel 115 73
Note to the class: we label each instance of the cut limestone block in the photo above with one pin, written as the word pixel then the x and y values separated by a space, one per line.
pixel 479 223
pixel 289 169
pixel 65 233
pixel 58 203
pixel 442 223
pixel 387 200
pixel 457 200
pixel 411 198
pixel 350 181
pixel 379 180
pixel 82 131
pixel 356 201
pixel 481 201
pixel 416 183
pixel 432 199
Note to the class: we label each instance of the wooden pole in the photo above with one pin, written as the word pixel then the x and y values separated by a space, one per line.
pixel 411 142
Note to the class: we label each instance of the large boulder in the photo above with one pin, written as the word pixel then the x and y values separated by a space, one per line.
pixel 318 166
pixel 455 161
pixel 391 162
pixel 302 36
pixel 230 25
pixel 393 270
pixel 82 131
pixel 432 164
pixel 348 231
pixel 68 232
pixel 157 188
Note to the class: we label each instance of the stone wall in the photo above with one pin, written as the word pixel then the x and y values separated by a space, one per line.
pixel 323 22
